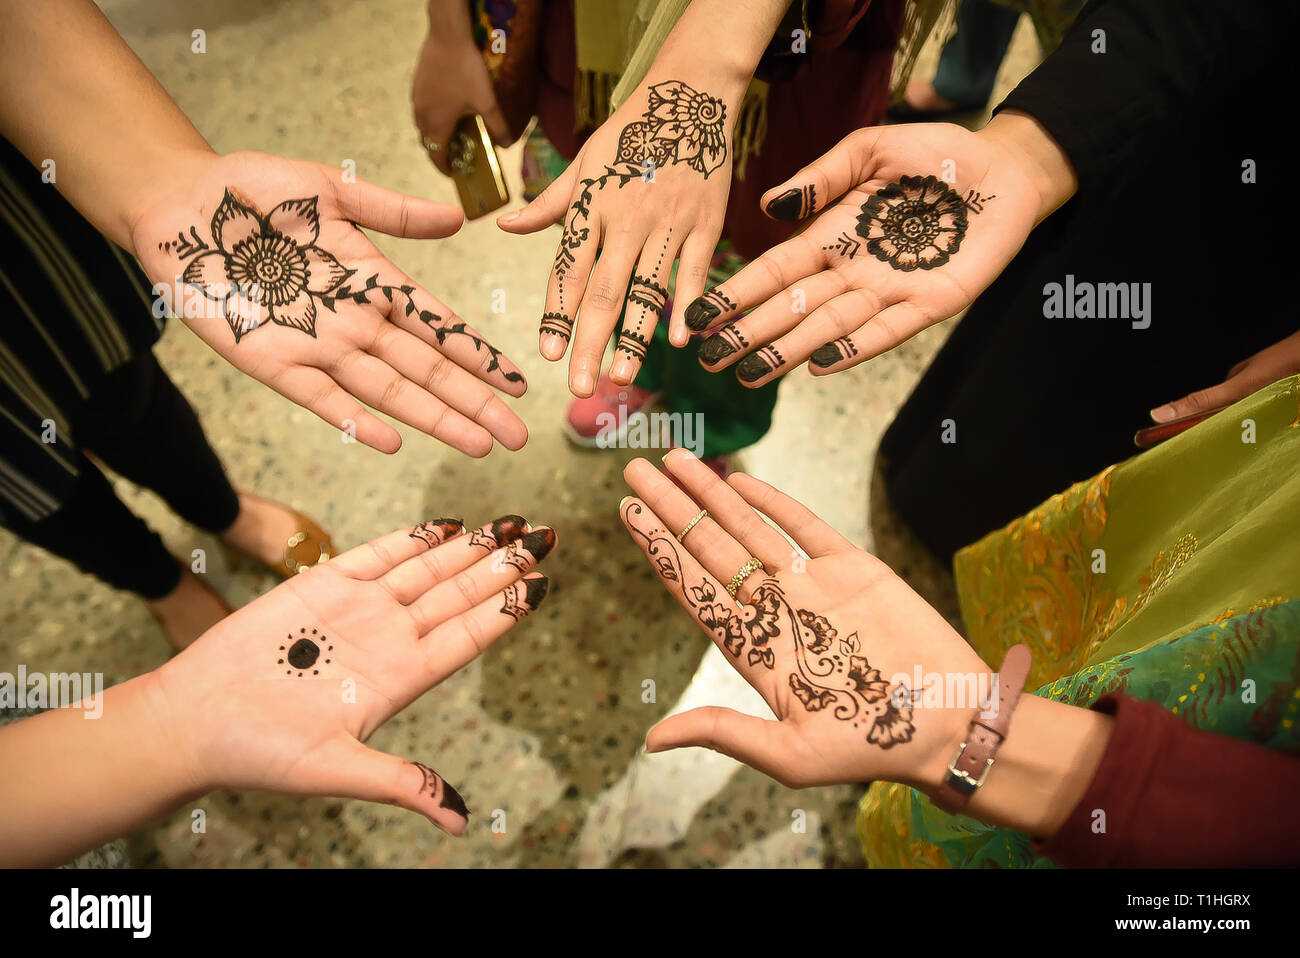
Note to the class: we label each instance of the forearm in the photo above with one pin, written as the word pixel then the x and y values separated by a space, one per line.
pixel 449 19
pixel 73 782
pixel 72 91
pixel 719 42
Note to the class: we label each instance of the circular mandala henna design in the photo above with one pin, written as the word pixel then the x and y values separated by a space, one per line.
pixel 303 652
pixel 916 223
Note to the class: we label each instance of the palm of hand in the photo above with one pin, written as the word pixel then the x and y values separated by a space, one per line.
pixel 295 680
pixel 929 215
pixel 833 649
pixel 263 258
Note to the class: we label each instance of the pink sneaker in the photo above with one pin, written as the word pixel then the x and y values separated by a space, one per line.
pixel 609 409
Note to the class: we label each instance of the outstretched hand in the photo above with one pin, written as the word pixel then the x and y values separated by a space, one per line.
pixel 263 258
pixel 281 695
pixel 827 633
pixel 928 216
pixel 648 187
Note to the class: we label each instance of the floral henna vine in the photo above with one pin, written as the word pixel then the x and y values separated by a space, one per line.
pixel 829 673
pixel 916 223
pixel 271 268
pixel 524 596
pixel 304 653
pixel 437 531
pixel 435 785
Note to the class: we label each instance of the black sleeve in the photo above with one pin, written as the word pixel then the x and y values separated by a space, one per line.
pixel 1167 64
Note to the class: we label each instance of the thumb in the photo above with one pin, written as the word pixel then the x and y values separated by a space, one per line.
pixel 380 777
pixel 547 208
pixel 396 214
pixel 759 743
pixel 1203 401
pixel 497 126
pixel 849 162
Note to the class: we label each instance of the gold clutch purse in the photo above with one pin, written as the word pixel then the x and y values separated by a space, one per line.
pixel 476 169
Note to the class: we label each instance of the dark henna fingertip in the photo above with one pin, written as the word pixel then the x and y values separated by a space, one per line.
pixel 715 349
pixel 520 598
pixel 437 531
pixel 753 368
pixel 834 352
pixel 539 542
pixel 452 800
pixel 794 204
pixel 500 532
pixel 700 313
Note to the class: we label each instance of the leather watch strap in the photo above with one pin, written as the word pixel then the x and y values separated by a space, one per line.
pixel 975 757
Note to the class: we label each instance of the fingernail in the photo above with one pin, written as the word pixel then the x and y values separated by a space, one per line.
pixel 787 206
pixel 506 217
pixel 623 371
pixel 753 368
pixel 715 349
pixel 539 542
pixel 582 383
pixel 1162 413
pixel 624 501
pixel 700 313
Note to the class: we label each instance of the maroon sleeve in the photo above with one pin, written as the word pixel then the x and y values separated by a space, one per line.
pixel 1178 797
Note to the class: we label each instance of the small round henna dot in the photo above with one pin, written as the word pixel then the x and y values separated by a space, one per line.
pixel 303 654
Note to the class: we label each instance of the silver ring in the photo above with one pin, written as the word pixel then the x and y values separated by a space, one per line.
pixel 430 145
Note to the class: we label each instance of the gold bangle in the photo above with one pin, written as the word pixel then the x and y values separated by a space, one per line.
pixel 746 570
pixel 691 525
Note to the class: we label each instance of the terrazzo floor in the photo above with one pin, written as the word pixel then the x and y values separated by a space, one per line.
pixel 543 735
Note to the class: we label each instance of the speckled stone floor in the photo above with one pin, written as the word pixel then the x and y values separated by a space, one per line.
pixel 543 735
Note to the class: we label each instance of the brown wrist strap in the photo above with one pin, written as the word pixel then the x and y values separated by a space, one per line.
pixel 974 758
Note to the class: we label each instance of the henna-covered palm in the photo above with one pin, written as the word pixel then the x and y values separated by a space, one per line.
pixel 649 186
pixel 827 633
pixel 928 215
pixel 274 274
pixel 282 694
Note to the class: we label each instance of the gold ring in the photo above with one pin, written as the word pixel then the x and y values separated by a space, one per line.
pixel 746 570
pixel 691 525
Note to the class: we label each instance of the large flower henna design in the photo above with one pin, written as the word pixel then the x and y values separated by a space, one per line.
pixel 914 223
pixel 680 125
pixel 271 268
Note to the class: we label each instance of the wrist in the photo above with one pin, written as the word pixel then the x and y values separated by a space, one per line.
pixel 1039 157
pixel 165 722
pixel 1043 768
pixel 178 173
